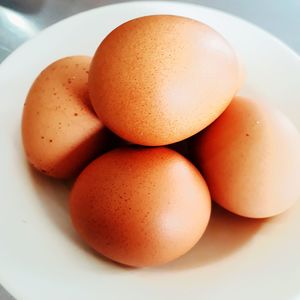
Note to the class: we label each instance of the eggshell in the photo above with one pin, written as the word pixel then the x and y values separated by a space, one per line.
pixel 157 80
pixel 250 158
pixel 140 206
pixel 61 132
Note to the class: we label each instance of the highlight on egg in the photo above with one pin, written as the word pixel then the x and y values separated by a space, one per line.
pixel 60 130
pixel 140 206
pixel 153 79
pixel 250 158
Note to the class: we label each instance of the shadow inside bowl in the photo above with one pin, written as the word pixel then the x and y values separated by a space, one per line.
pixel 226 233
pixel 53 196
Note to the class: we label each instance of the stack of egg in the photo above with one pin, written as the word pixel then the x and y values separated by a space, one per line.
pixel 156 81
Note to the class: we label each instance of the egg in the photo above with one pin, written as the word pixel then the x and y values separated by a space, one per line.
pixel 140 206
pixel 61 133
pixel 157 80
pixel 250 158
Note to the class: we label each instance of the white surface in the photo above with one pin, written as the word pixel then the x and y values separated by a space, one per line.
pixel 40 254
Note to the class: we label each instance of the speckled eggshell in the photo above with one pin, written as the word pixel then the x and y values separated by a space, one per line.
pixel 250 158
pixel 61 132
pixel 140 206
pixel 157 80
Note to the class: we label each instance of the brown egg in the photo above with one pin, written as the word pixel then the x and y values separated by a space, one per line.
pixel 250 158
pixel 61 132
pixel 157 80
pixel 140 206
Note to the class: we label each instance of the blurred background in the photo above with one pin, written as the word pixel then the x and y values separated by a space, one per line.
pixel 20 20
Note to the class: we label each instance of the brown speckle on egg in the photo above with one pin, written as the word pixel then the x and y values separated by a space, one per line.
pixel 140 206
pixel 153 79
pixel 255 177
pixel 48 103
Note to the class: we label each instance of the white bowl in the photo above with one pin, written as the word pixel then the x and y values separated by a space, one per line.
pixel 41 256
